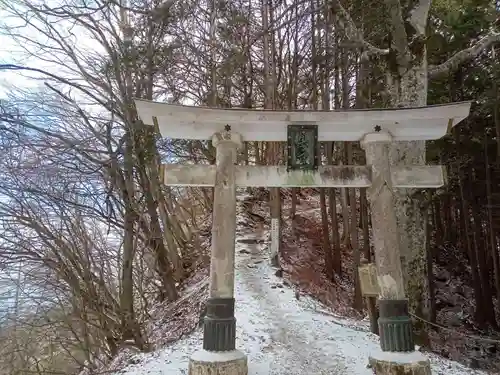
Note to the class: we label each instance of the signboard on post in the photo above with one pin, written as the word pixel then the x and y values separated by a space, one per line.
pixel 275 233
pixel 368 280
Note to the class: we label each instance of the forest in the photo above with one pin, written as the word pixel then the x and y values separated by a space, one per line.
pixel 94 246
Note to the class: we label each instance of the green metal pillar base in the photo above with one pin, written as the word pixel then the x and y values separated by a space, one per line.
pixel 396 331
pixel 219 331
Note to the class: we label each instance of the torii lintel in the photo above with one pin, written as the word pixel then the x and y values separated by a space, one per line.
pixel 405 124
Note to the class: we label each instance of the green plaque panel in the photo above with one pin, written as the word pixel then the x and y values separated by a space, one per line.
pixel 302 147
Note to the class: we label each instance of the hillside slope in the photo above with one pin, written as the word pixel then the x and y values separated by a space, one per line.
pixel 280 331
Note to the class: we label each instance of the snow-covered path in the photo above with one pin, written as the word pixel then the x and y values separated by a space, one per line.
pixel 281 335
pixel 293 339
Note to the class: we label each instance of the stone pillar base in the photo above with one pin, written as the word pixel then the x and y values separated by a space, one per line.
pixel 398 363
pixel 204 362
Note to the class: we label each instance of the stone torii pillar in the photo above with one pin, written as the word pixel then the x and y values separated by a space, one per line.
pixel 386 240
pixel 395 326
pixel 219 355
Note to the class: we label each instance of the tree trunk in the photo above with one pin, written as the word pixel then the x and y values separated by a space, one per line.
pixel 492 241
pixel 326 237
pixel 371 302
pixel 412 92
pixel 484 274
pixel 129 327
pixel 344 203
pixel 332 205
pixel 293 208
pixel 430 261
pixel 274 199
pixel 476 282
pixel 358 298
pixel 496 107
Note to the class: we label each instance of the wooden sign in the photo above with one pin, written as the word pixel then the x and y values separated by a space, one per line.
pixel 368 280
pixel 275 236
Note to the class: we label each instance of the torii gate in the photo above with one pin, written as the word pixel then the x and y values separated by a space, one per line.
pixel 227 128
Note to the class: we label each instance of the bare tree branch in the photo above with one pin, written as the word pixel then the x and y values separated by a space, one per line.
pixel 352 32
pixel 399 37
pixel 419 15
pixel 465 55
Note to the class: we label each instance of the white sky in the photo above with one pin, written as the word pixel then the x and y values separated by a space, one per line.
pixel 12 53
pixel 9 55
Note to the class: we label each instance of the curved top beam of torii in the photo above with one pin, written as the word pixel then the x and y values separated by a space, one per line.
pixel 405 124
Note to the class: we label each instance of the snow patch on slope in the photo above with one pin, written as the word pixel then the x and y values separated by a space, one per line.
pixel 280 333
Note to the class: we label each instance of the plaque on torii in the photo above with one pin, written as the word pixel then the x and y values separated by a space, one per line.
pixel 228 128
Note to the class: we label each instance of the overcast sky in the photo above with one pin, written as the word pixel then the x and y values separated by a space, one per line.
pixel 10 54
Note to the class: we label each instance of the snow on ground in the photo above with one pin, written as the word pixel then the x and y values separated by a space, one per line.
pixel 280 333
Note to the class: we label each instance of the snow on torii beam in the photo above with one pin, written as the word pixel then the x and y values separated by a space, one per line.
pixel 404 124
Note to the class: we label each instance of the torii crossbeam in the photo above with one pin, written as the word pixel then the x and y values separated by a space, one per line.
pixel 358 176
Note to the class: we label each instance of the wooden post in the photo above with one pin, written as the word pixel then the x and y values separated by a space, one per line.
pixel 395 327
pixel 369 295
